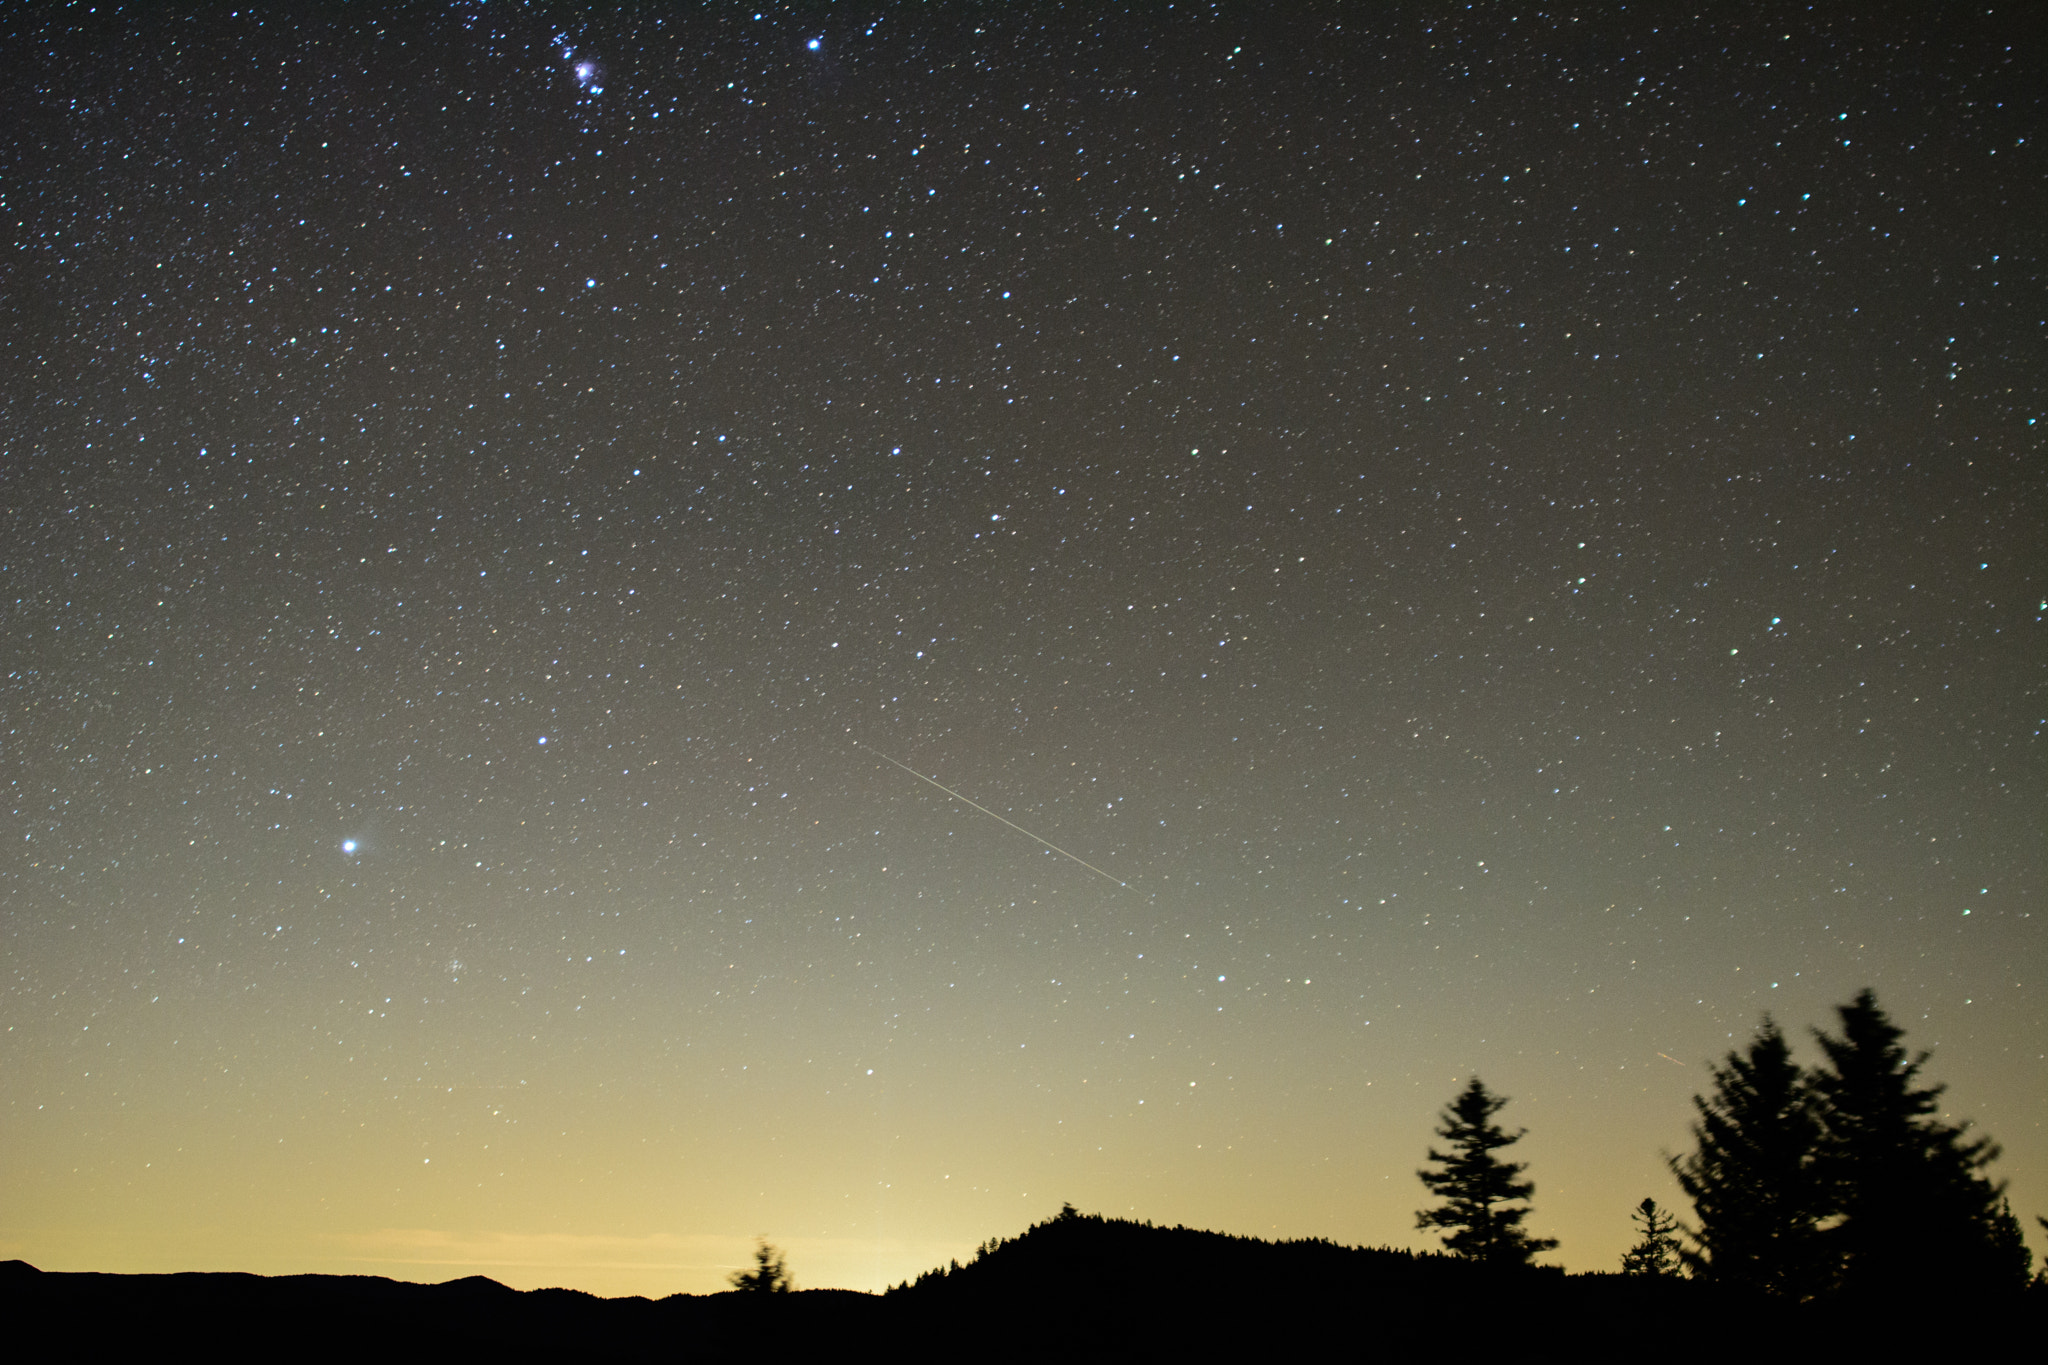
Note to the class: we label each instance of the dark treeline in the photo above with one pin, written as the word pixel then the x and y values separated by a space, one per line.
pixel 1842 1182
pixel 322 1317
pixel 1076 1285
pixel 1834 1211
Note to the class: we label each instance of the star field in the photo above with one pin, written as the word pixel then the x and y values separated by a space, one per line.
pixel 1502 537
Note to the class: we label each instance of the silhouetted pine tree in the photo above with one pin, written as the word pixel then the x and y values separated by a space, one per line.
pixel 1915 1216
pixel 2009 1244
pixel 1751 1178
pixel 1655 1253
pixel 770 1274
pixel 1477 1186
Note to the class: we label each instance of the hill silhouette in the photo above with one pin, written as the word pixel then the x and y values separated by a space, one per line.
pixel 1130 1287
pixel 1076 1284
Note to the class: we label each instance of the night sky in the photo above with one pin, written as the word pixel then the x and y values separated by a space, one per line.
pixel 1495 541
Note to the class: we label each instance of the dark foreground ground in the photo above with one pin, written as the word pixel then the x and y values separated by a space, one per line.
pixel 1076 1286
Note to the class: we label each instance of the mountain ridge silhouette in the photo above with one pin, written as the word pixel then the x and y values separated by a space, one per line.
pixel 1075 1284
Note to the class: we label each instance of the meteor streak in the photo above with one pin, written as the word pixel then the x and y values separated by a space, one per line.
pixel 986 811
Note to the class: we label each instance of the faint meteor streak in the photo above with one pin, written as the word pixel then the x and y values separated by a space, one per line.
pixel 1671 1059
pixel 986 811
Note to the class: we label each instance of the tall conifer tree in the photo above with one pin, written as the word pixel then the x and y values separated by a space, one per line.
pixel 1656 1252
pixel 1751 1178
pixel 1477 1187
pixel 770 1274
pixel 1915 1213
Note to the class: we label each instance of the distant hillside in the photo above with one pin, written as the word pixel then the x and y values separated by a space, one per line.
pixel 1076 1285
pixel 1080 1283
pixel 315 1317
pixel 1116 1284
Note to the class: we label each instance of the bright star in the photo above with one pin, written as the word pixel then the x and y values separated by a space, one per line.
pixel 348 846
pixel 815 44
